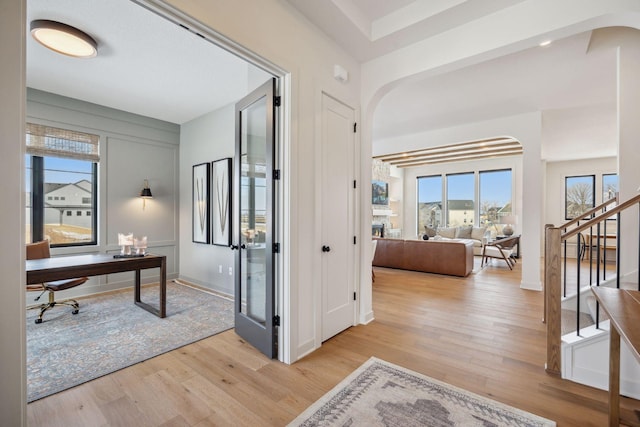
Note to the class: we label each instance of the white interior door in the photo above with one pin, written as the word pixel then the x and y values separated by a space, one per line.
pixel 338 217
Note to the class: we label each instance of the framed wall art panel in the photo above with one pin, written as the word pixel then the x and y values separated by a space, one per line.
pixel 200 209
pixel 221 202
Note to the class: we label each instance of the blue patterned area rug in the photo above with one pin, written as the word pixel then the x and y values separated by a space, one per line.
pixel 379 393
pixel 110 333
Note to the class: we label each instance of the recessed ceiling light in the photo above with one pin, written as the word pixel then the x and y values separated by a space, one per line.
pixel 64 39
pixel 545 43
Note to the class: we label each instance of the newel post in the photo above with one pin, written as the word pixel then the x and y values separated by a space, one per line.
pixel 552 296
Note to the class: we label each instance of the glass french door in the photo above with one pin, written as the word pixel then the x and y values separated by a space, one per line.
pixel 255 319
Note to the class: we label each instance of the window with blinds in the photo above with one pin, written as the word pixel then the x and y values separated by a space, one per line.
pixel 46 141
pixel 61 168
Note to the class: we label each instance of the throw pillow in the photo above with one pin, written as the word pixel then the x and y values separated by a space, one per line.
pixel 431 232
pixel 464 232
pixel 449 232
pixel 478 233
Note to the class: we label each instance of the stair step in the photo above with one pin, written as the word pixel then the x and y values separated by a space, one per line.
pixel 591 304
pixel 569 321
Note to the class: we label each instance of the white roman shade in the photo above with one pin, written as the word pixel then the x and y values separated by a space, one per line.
pixel 49 141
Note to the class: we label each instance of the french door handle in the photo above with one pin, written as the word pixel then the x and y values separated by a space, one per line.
pixel 243 246
pixel 233 247
pixel 326 248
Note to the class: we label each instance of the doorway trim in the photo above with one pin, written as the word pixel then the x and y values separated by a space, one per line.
pixel 282 264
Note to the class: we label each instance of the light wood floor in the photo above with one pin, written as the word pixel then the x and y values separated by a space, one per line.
pixel 482 333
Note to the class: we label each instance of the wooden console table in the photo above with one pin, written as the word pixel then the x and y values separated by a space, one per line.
pixel 68 267
pixel 623 308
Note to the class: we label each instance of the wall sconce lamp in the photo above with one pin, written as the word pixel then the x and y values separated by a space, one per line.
pixel 145 194
pixel 64 39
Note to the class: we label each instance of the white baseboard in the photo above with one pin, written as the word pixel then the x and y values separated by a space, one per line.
pixel 536 286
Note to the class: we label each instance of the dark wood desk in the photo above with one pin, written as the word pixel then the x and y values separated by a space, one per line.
pixel 623 308
pixel 68 267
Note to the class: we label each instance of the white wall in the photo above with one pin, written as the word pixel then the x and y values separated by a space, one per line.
pixel 279 34
pixel 629 147
pixel 207 138
pixel 13 390
pixel 555 183
pixel 132 148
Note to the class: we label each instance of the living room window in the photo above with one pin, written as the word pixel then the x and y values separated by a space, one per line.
pixel 579 195
pixel 495 189
pixel 495 198
pixel 609 186
pixel 429 202
pixel 609 190
pixel 62 164
pixel 461 200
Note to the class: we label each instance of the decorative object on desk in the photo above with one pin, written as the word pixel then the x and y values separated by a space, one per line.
pixel 509 221
pixel 131 255
pixel 379 393
pixel 221 183
pixel 140 245
pixel 425 237
pixel 200 208
pixel 145 194
pixel 125 241
pixel 110 334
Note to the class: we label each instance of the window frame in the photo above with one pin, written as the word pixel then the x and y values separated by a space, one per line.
pixel 474 208
pixel 442 202
pixel 498 219
pixel 566 200
pixel 477 196
pixel 38 203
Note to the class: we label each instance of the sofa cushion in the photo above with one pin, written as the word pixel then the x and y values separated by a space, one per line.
pixel 477 233
pixel 447 232
pixel 463 232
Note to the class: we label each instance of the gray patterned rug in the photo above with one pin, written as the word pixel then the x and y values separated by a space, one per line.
pixel 379 393
pixel 111 333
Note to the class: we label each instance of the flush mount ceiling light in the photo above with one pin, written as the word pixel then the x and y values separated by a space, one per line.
pixel 64 39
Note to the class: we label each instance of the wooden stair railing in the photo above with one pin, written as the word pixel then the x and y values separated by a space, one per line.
pixel 555 279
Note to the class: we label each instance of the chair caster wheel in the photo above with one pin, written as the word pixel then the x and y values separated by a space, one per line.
pixel 75 311
pixel 38 321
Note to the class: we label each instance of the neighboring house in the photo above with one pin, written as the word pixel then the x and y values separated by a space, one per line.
pixel 68 204
pixel 461 212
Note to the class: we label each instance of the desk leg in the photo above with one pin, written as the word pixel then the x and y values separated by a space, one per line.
pixel 137 286
pixel 162 310
pixel 163 288
pixel 614 377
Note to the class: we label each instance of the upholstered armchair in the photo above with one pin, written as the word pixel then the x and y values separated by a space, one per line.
pixel 501 249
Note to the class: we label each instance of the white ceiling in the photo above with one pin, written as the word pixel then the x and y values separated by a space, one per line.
pixel 150 66
pixel 145 64
pixel 370 28
pixel 573 87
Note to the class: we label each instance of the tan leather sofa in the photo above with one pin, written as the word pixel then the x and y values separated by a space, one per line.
pixel 430 256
